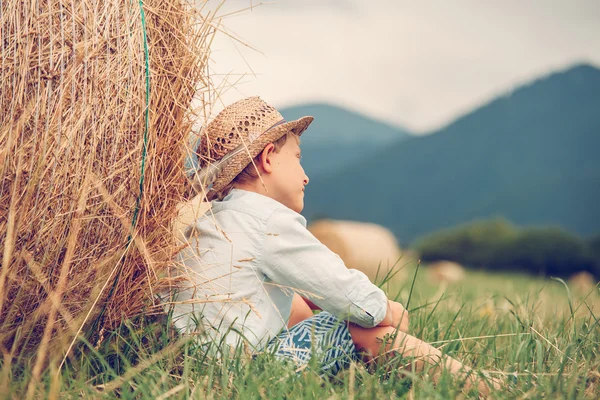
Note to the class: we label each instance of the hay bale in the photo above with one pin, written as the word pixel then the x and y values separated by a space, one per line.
pixel 95 100
pixel 363 246
pixel 445 272
pixel 582 282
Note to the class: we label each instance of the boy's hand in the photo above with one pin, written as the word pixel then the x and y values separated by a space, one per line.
pixel 396 316
pixel 399 316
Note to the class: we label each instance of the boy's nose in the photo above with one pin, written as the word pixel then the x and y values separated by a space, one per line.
pixel 306 180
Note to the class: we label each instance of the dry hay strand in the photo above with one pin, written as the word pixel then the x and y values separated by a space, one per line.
pixel 95 111
pixel 187 213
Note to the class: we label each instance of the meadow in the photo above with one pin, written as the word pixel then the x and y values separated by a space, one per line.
pixel 100 95
pixel 537 336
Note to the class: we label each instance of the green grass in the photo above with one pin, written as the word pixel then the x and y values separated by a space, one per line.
pixel 538 339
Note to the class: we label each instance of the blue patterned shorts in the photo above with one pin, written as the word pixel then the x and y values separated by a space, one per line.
pixel 321 336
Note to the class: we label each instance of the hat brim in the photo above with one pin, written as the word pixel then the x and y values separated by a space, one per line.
pixel 240 161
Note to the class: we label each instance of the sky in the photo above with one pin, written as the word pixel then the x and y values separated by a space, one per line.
pixel 414 64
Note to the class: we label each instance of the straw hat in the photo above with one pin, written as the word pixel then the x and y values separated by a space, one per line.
pixel 237 135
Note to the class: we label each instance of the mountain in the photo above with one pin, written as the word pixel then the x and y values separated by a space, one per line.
pixel 531 156
pixel 338 136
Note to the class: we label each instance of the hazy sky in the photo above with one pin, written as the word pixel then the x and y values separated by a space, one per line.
pixel 417 64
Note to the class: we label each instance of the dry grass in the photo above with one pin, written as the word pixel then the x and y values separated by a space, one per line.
pixel 95 113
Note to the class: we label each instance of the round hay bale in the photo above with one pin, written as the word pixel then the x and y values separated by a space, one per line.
pixel 96 100
pixel 370 248
pixel 582 282
pixel 445 272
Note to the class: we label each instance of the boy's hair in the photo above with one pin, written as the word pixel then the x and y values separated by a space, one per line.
pixel 250 172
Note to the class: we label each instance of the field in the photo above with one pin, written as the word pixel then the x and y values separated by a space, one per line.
pixel 536 336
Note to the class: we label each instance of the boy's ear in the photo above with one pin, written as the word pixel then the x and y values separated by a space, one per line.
pixel 266 158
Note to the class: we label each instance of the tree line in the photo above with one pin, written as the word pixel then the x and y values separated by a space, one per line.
pixel 499 245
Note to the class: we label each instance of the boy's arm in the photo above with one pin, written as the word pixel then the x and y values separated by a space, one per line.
pixel 393 317
pixel 396 315
pixel 292 257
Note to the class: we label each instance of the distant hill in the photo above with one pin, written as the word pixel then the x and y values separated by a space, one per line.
pixel 338 136
pixel 532 156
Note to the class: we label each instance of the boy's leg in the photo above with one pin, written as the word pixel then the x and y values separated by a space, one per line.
pixel 370 340
pixel 300 311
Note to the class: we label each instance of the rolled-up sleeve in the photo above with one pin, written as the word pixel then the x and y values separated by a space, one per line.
pixel 294 258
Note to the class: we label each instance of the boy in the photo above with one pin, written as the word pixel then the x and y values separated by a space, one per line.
pixel 258 272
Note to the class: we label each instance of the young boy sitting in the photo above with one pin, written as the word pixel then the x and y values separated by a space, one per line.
pixel 258 273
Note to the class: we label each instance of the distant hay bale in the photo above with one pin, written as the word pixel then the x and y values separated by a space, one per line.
pixel 95 112
pixel 445 272
pixel 363 246
pixel 582 282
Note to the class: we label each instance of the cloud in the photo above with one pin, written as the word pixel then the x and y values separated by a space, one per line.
pixel 297 6
pixel 416 64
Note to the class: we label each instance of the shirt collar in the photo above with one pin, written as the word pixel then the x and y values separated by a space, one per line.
pixel 237 194
pixel 234 194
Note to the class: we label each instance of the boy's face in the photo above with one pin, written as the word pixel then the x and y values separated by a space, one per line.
pixel 287 180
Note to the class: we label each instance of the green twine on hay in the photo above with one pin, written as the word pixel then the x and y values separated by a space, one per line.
pixel 146 116
pixel 143 168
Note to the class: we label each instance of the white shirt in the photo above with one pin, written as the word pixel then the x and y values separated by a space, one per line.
pixel 246 258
